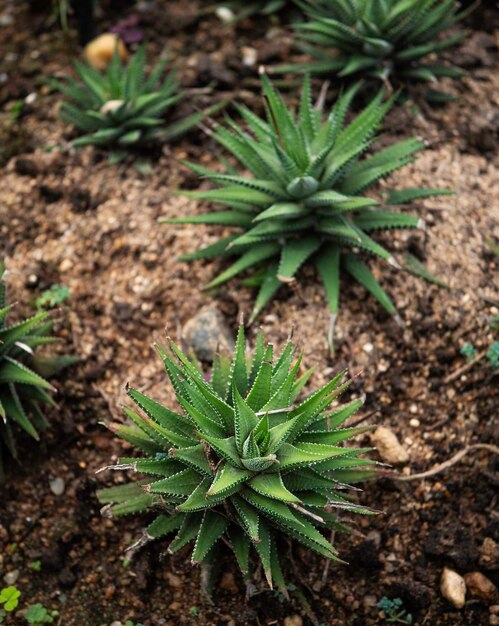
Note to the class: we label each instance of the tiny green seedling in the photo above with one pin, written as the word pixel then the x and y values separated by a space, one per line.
pixel 468 351
pixel 9 597
pixel 53 297
pixel 37 615
pixel 36 566
pixel 394 613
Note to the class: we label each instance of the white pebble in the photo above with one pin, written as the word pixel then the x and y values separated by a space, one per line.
pixel 250 56
pixel 453 587
pixel 11 577
pixel 226 15
pixel 368 347
pixel 415 423
pixel 57 486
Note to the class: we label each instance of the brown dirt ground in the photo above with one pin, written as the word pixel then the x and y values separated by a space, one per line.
pixel 71 218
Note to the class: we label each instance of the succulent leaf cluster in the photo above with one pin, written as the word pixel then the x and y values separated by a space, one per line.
pixel 247 8
pixel 123 107
pixel 23 385
pixel 393 40
pixel 305 197
pixel 243 462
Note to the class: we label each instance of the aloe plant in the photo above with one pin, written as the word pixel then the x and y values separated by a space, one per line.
pixel 396 41
pixel 23 386
pixel 305 198
pixel 243 463
pixel 123 108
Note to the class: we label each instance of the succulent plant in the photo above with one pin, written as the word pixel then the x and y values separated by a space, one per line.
pixel 305 200
pixel 243 463
pixel 121 108
pixel 396 41
pixel 23 387
pixel 246 8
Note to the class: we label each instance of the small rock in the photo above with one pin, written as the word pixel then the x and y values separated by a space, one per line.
pixel 293 620
pixel 116 624
pixel 208 333
pixel 489 554
pixel 388 446
pixel 175 606
pixel 6 19
pixel 494 609
pixel 65 265
pixel 11 577
pixel 100 51
pixel 57 486
pixel 225 15
pixel 250 56
pixel 481 587
pixel 494 620
pixel 453 587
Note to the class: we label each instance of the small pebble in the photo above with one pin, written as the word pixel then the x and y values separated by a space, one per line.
pixel 250 56
pixel 453 587
pixel 65 265
pixel 481 587
pixel 11 577
pixel 293 620
pixel 368 347
pixel 494 620
pixel 57 486
pixel 225 14
pixel 389 448
pixel 415 423
pixel 208 333
pixel 489 554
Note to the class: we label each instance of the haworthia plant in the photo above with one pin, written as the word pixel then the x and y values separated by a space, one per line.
pixel 243 463
pixel 123 108
pixel 246 8
pixel 398 41
pixel 305 197
pixel 23 385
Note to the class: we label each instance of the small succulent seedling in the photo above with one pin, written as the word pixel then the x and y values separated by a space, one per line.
pixel 396 41
pixel 243 463
pixel 305 200
pixel 23 385
pixel 53 297
pixel 394 611
pixel 123 108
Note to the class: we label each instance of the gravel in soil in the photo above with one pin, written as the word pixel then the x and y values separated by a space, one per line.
pixel 71 218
